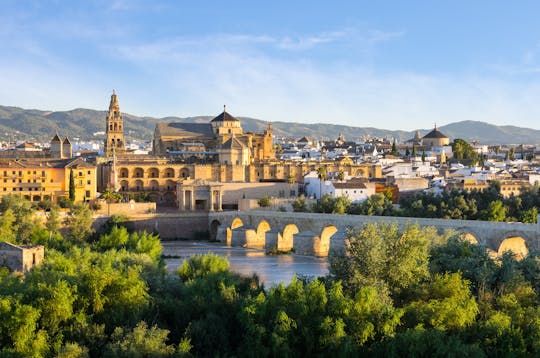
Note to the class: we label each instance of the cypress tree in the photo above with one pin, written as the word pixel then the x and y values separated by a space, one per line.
pixel 71 186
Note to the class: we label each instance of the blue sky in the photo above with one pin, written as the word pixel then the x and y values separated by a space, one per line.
pixel 393 64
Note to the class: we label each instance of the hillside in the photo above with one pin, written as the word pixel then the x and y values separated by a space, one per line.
pixel 18 123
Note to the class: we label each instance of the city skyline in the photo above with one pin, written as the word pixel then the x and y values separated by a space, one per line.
pixel 359 64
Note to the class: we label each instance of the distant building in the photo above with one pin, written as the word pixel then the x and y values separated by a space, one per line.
pixel 20 258
pixel 435 138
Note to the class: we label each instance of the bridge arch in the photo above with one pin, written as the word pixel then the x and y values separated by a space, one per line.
pixel 470 237
pixel 236 223
pixel 263 227
pixel 322 247
pixel 515 244
pixel 286 242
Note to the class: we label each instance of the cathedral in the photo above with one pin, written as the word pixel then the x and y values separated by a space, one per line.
pixel 209 158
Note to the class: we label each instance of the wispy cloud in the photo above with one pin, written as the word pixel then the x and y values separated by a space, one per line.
pixel 232 69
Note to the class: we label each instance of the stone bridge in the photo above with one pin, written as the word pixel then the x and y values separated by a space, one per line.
pixel 316 234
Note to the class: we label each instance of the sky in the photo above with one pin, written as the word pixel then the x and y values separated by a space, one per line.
pixel 385 64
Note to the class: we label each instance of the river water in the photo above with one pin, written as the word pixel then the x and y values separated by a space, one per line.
pixel 271 269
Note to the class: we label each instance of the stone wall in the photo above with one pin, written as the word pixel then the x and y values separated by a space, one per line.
pixel 191 226
pixel 131 208
pixel 20 258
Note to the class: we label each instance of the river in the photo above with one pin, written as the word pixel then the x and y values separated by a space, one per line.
pixel 271 269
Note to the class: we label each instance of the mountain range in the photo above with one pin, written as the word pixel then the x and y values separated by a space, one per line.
pixel 87 124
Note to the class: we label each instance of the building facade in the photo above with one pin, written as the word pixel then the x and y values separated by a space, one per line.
pixel 38 179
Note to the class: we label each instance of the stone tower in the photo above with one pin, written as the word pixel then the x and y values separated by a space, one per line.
pixel 115 129
pixel 56 146
pixel 67 151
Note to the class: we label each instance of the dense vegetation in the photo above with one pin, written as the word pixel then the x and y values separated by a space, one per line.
pixel 487 204
pixel 394 293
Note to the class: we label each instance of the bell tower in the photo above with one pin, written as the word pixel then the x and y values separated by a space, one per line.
pixel 114 143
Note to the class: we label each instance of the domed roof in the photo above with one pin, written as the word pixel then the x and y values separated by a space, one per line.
pixel 224 117
pixel 435 133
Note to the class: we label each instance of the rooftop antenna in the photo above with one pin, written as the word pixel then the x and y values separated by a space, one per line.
pixel 224 108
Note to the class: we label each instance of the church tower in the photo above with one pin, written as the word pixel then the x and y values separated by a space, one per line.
pixel 115 129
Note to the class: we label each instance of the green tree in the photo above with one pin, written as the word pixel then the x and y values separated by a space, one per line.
pixel 264 201
pixel 53 220
pixel 394 148
pixel 80 222
pixel 299 205
pixel 382 256
pixel 139 342
pixel 445 303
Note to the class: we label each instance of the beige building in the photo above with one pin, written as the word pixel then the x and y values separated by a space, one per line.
pixel 221 140
pixel 38 179
pixel 20 258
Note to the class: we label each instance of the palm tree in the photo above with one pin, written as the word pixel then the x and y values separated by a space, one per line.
pixel 321 174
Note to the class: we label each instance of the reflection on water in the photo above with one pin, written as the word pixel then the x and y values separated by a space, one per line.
pixel 271 269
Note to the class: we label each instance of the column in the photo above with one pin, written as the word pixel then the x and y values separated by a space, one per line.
pixel 211 201
pixel 220 200
pixel 181 199
pixel 192 200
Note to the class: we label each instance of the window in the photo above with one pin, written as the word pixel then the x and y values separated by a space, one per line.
pixel 88 182
pixel 88 172
pixel 80 182
pixel 87 193
pixel 80 174
pixel 43 173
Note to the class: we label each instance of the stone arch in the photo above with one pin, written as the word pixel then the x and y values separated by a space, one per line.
pixel 138 172
pixel 124 185
pixel 260 240
pixel 214 226
pixel 236 223
pixel 470 237
pixel 184 173
pixel 139 186
pixel 169 173
pixel 322 246
pixel 36 198
pixel 171 185
pixel 515 244
pixel 153 172
pixel 169 198
pixel 263 227
pixel 124 172
pixel 287 238
pixel 154 185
